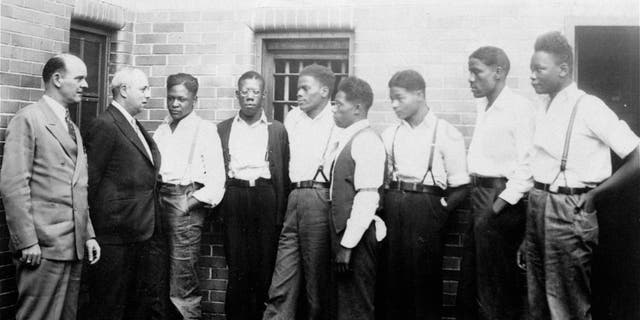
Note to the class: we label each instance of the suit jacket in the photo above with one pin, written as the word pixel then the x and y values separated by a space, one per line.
pixel 278 145
pixel 122 179
pixel 43 183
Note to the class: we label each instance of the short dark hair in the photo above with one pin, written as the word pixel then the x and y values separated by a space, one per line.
pixel 52 66
pixel 492 56
pixel 190 82
pixel 408 79
pixel 556 44
pixel 323 74
pixel 357 90
pixel 251 75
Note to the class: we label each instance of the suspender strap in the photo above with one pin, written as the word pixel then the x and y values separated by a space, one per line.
pixel 394 169
pixel 191 151
pixel 320 169
pixel 567 142
pixel 431 152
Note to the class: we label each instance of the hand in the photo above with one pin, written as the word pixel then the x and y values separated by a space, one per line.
pixel 521 257
pixel 498 205
pixel 93 249
pixel 342 260
pixel 587 202
pixel 32 255
pixel 193 203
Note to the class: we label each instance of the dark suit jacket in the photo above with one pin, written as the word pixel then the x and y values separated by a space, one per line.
pixel 122 180
pixel 43 183
pixel 278 143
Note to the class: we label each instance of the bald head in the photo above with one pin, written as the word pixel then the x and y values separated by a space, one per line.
pixel 130 88
pixel 65 78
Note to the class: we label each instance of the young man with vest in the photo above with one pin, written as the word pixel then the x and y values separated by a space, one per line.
pixel 302 263
pixel 427 179
pixel 498 161
pixel 356 178
pixel 256 157
pixel 571 166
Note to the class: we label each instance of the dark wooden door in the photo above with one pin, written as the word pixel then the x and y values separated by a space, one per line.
pixel 608 61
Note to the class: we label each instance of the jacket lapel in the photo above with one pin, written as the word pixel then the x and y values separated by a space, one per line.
pixel 127 130
pixel 56 128
pixel 81 159
pixel 225 132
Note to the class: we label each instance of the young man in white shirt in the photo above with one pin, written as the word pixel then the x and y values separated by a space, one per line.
pixel 571 168
pixel 192 173
pixel 492 286
pixel 357 176
pixel 426 179
pixel 302 264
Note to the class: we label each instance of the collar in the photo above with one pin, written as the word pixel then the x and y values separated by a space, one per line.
pixel 498 104
pixel 58 109
pixel 263 119
pixel 189 118
pixel 351 130
pixel 428 121
pixel 326 112
pixel 124 112
pixel 566 94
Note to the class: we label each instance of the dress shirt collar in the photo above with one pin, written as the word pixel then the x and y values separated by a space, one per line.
pixel 263 119
pixel 124 112
pixel 58 109
pixel 326 112
pixel 502 101
pixel 351 130
pixel 563 96
pixel 428 121
pixel 186 121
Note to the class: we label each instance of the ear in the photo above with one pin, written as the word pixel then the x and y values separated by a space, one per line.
pixel 324 91
pixel 499 74
pixel 56 78
pixel 565 71
pixel 123 91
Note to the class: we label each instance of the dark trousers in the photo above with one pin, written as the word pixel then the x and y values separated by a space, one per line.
pixel 352 294
pixel 183 229
pixel 411 267
pixel 492 286
pixel 303 258
pixel 48 291
pixel 560 242
pixel 250 243
pixel 127 282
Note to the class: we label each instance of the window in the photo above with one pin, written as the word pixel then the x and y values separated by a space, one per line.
pixel 92 46
pixel 283 59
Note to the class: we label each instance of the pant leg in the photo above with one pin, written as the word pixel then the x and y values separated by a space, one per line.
pixel 287 275
pixel 184 235
pixel 356 289
pixel 466 297
pixel 500 283
pixel 535 251
pixel 48 291
pixel 571 238
pixel 315 249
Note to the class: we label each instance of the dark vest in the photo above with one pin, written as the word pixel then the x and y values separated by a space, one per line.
pixel 343 188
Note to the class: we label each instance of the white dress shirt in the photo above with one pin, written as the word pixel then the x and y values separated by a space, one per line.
pixel 312 142
pixel 368 154
pixel 248 145
pixel 596 129
pixel 502 141
pixel 207 166
pixel 134 126
pixel 59 110
pixel 410 148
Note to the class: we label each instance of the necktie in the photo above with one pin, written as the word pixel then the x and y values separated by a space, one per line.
pixel 141 137
pixel 70 127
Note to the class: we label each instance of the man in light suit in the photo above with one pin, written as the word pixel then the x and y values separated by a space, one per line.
pixel 123 168
pixel 43 183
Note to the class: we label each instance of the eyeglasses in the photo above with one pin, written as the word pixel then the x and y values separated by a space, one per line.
pixel 245 93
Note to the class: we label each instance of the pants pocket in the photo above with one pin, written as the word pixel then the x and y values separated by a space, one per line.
pixel 586 224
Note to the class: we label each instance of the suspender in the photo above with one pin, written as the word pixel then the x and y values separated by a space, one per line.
pixel 567 142
pixel 394 173
pixel 193 147
pixel 320 169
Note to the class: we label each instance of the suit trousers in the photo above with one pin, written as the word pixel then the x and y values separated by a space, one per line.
pixel 492 286
pixel 560 241
pixel 411 267
pixel 250 242
pixel 303 258
pixel 183 229
pixel 48 291
pixel 352 294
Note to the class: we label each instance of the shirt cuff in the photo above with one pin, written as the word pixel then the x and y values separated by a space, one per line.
pixel 511 196
pixel 200 196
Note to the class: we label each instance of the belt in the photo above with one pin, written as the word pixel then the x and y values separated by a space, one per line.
pixel 487 182
pixel 179 188
pixel 310 184
pixel 248 183
pixel 561 190
pixel 415 187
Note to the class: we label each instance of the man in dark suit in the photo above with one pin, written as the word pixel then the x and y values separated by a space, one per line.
pixel 123 168
pixel 256 156
pixel 43 184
